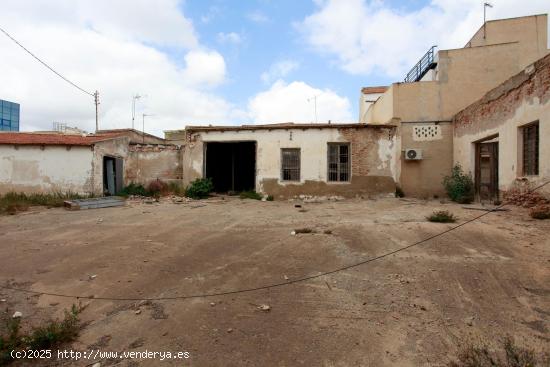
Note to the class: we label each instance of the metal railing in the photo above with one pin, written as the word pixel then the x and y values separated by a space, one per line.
pixel 426 63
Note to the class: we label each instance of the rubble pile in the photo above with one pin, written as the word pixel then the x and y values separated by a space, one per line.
pixel 524 198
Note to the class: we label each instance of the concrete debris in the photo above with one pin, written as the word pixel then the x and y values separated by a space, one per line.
pixel 263 307
pixel 293 233
pixel 17 315
pixel 138 312
pixel 229 330
pixel 3 300
pixel 92 277
pixel 318 199
pixel 212 304
pixel 286 277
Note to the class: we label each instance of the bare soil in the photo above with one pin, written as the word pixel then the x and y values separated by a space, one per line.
pixel 482 281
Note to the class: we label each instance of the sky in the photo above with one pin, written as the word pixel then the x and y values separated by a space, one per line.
pixel 220 62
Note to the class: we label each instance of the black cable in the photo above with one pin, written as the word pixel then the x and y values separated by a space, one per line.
pixel 43 63
pixel 275 285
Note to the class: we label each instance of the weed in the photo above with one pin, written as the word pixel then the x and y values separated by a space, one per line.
pixel 540 212
pixel 52 334
pixel 399 193
pixel 14 202
pixel 176 188
pixel 250 195
pixel 134 189
pixel 269 198
pixel 442 216
pixel 459 186
pixel 514 356
pixel 200 188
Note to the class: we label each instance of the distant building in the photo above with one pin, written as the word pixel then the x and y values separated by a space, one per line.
pixel 9 116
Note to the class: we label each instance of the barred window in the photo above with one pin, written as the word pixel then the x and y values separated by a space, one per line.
pixel 530 149
pixel 290 164
pixel 338 162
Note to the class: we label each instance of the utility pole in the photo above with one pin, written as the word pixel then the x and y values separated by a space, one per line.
pixel 485 5
pixel 96 101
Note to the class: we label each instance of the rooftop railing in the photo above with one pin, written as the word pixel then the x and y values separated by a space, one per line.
pixel 426 63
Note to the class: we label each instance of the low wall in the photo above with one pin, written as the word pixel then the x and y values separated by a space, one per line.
pixel 33 168
pixel 146 163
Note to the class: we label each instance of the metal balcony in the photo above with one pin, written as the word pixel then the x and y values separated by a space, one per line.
pixel 426 63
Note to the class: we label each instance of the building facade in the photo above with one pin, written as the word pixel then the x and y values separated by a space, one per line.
pixel 286 160
pixel 442 84
pixel 9 116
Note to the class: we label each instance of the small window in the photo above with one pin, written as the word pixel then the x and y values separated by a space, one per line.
pixel 290 164
pixel 338 162
pixel 530 149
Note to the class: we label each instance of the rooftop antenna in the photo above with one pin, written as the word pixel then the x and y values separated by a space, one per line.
pixel 485 6
pixel 135 97
pixel 315 105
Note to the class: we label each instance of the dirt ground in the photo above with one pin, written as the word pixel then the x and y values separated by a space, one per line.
pixel 480 282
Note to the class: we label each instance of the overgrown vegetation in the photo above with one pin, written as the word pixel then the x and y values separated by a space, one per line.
pixel 540 212
pixel 14 202
pixel 442 216
pixel 399 193
pixel 50 335
pixel 459 186
pixel 134 189
pixel 510 355
pixel 269 198
pixel 200 188
pixel 250 195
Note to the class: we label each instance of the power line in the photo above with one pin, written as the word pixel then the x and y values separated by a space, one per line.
pixel 275 285
pixel 46 65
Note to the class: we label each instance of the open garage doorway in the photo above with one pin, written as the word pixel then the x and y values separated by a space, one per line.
pixel 231 165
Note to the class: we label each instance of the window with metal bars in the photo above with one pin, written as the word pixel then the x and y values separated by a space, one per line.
pixel 290 164
pixel 338 162
pixel 530 149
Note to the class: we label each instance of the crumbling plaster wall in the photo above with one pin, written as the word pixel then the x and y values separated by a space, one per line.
pixel 521 100
pixel 116 148
pixel 373 159
pixel 32 168
pixel 146 163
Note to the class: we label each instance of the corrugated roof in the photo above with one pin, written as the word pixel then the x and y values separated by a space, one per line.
pixel 50 139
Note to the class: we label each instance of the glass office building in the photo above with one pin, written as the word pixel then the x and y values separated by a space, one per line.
pixel 9 116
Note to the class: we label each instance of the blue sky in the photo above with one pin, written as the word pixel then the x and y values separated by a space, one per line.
pixel 221 62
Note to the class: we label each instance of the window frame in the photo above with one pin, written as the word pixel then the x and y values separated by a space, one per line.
pixel 298 169
pixel 530 157
pixel 339 170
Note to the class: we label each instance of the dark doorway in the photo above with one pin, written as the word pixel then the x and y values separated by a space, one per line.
pixel 112 175
pixel 231 166
pixel 486 173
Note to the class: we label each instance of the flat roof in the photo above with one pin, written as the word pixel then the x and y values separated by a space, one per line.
pixel 285 126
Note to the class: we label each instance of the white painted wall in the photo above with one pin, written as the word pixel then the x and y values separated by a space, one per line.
pixel 54 168
pixel 313 145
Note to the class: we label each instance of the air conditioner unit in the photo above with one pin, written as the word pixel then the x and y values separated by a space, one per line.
pixel 413 154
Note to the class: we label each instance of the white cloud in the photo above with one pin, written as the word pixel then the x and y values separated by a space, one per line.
pixel 279 70
pixel 367 37
pixel 258 17
pixel 294 102
pixel 204 68
pixel 113 54
pixel 230 37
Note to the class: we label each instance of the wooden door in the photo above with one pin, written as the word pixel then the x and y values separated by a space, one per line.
pixel 486 173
